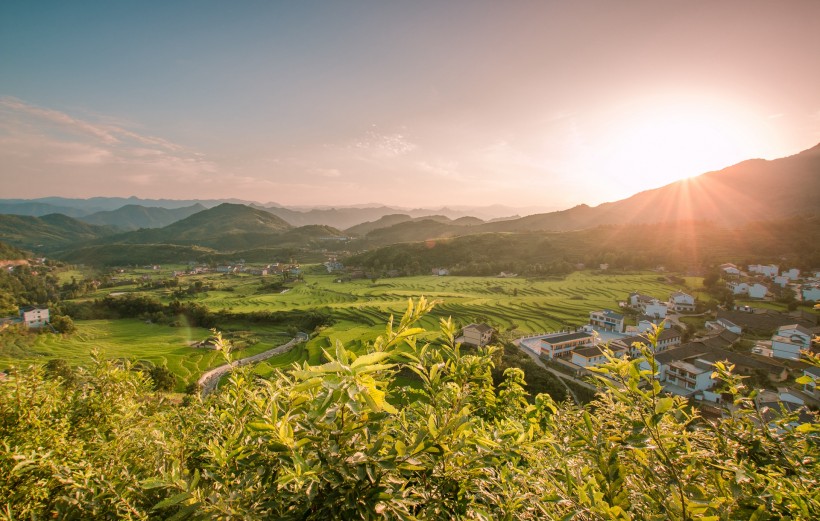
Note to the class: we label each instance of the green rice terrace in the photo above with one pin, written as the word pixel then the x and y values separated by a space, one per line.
pixel 358 308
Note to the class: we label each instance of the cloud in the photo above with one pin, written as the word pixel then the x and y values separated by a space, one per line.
pixel 384 145
pixel 55 148
pixel 328 172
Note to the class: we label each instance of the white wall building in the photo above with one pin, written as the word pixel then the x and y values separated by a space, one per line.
pixel 767 270
pixel 758 291
pixel 730 269
pixel 34 317
pixel 789 340
pixel 477 334
pixel 810 293
pixel 607 319
pixel 680 301
pixel 793 274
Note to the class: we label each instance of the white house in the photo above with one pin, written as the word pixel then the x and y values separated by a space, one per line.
pixel 789 340
pixel 477 334
pixel 793 274
pixel 607 319
pixel 811 387
pixel 781 280
pixel 636 300
pixel 739 288
pixel 655 309
pixel 680 301
pixel 594 355
pixel 688 377
pixel 440 272
pixel 561 345
pixel 730 269
pixel 667 339
pixel 770 270
pixel 726 324
pixel 758 291
pixel 34 317
pixel 811 292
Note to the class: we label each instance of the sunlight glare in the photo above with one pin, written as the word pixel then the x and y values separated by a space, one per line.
pixel 659 145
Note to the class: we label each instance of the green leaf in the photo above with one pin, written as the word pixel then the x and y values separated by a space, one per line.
pixel 371 358
pixel 663 405
pixel 261 426
pixel 173 500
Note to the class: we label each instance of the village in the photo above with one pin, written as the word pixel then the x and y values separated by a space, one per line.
pixel 685 363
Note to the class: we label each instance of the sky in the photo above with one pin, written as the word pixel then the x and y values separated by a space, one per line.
pixel 545 104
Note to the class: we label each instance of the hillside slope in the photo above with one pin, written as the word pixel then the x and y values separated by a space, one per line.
pixel 134 216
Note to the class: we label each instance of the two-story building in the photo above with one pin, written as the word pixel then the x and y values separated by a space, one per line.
pixel 607 320
pixel 682 302
pixel 758 291
pixel 477 334
pixel 561 345
pixel 34 317
pixel 767 270
pixel 789 340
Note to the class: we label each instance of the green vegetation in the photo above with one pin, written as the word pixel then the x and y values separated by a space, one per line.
pixel 340 440
pixel 127 339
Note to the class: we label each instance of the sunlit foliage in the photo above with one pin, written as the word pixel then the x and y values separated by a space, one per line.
pixel 340 440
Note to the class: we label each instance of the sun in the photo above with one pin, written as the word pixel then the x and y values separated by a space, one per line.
pixel 660 143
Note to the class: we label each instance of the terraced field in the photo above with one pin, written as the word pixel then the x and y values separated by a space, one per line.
pixel 130 339
pixel 360 309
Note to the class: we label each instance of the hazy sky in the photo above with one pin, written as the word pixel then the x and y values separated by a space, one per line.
pixel 416 103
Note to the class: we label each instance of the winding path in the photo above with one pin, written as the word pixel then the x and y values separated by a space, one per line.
pixel 209 379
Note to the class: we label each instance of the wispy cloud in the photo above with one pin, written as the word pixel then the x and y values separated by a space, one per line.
pixel 58 148
pixel 384 145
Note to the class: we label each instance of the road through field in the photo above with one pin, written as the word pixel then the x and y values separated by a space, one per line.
pixel 208 381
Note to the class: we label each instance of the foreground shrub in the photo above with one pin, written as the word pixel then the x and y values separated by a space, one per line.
pixel 341 440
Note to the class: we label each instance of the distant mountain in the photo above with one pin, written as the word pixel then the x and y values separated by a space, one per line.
pixel 750 191
pixel 37 209
pixel 48 232
pixel 223 230
pixel 208 227
pixel 391 220
pixel 133 216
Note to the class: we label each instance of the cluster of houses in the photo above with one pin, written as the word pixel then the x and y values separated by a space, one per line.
pixel 31 317
pixel 758 279
pixel 275 268
pixel 687 369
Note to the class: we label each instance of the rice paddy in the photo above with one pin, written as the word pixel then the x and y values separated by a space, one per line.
pixel 360 309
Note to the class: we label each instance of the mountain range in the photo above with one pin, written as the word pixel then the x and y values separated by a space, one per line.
pixel 754 190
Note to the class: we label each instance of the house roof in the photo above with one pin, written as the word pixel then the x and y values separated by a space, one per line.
pixel 814 371
pixel 609 313
pixel 666 334
pixel 796 327
pixel 714 354
pixel 481 328
pixel 588 352
pixel 565 337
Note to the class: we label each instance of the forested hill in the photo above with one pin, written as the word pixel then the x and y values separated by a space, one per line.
pixel 49 232
pixel 9 252
pixel 134 216
pixel 675 246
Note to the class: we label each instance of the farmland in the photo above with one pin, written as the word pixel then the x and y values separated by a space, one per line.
pixel 359 309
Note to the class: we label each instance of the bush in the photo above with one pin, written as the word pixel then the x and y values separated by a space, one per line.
pixel 341 440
